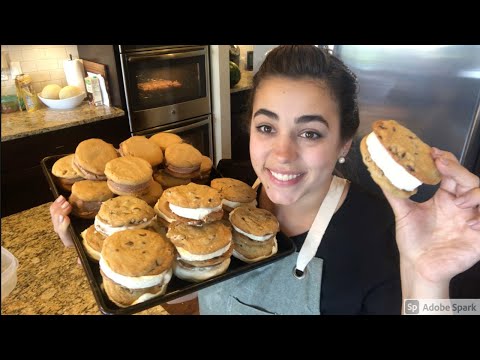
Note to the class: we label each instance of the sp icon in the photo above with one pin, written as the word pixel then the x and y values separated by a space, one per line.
pixel 412 307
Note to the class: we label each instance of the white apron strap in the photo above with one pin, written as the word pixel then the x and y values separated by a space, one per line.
pixel 325 213
pixel 256 184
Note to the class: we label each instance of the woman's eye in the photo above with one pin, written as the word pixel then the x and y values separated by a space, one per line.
pixel 311 135
pixel 265 129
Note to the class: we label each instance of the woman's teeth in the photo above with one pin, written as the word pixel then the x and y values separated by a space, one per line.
pixel 284 177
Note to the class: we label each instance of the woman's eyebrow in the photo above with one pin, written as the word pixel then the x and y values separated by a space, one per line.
pixel 267 113
pixel 308 118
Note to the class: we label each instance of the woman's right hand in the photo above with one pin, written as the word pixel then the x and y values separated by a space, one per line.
pixel 59 211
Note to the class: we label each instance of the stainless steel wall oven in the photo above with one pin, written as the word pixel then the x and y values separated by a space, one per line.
pixel 167 88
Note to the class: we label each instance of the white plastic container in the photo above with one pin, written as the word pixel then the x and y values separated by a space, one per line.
pixel 9 272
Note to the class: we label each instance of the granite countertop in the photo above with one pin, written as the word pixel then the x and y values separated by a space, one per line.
pixel 49 279
pixel 21 123
pixel 245 82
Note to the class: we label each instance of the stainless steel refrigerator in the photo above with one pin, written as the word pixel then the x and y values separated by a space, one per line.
pixel 433 90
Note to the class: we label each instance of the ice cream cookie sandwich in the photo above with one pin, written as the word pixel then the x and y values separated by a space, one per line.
pixel 140 146
pixel 122 213
pixel 91 156
pixel 234 193
pixel 192 203
pixel 136 265
pixel 168 181
pixel 66 173
pixel 87 197
pixel 203 251
pixel 398 161
pixel 93 242
pixel 183 161
pixel 165 139
pixel 254 232
pixel 129 175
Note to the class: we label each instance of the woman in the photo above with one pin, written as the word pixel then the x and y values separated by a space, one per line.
pixel 303 118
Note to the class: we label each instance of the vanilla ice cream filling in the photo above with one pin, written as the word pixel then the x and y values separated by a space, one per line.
pixel 135 282
pixel 253 237
pixel 148 296
pixel 196 214
pixel 108 230
pixel 393 171
pixel 247 260
pixel 186 255
pixel 235 204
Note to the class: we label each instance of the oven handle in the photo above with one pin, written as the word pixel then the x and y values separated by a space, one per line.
pixel 191 126
pixel 135 58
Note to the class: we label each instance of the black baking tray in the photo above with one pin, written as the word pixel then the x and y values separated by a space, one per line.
pixel 176 287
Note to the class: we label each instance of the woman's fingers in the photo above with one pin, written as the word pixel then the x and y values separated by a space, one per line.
pixel 470 199
pixel 59 211
pixel 62 230
pixel 456 179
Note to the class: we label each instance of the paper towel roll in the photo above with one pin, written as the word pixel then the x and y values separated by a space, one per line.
pixel 74 73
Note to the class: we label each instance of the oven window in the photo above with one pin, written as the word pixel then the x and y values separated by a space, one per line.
pixel 160 81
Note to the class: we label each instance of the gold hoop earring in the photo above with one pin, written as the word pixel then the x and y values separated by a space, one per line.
pixel 341 159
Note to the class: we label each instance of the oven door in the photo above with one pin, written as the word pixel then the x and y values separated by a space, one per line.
pixel 197 132
pixel 166 85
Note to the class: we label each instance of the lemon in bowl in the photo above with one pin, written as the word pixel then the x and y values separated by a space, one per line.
pixel 63 104
pixel 51 91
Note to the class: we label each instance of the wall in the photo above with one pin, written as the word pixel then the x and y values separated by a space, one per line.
pixel 243 55
pixel 259 52
pixel 220 89
pixel 44 63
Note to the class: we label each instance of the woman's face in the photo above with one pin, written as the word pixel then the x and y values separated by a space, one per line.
pixel 294 138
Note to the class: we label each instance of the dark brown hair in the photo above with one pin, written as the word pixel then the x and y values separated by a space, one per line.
pixel 316 63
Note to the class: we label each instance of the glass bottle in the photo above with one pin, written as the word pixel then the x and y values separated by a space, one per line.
pixel 28 93
pixel 21 104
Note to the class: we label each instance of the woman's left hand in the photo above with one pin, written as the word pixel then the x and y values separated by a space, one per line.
pixel 440 238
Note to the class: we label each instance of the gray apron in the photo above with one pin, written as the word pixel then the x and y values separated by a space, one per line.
pixel 284 287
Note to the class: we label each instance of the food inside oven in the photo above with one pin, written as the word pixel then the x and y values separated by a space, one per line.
pixel 158 84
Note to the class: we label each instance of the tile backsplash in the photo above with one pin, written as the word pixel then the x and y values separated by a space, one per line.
pixel 44 63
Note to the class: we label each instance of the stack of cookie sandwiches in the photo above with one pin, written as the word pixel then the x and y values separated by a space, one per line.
pixel 136 265
pixel 254 233
pixel 203 242
pixel 155 215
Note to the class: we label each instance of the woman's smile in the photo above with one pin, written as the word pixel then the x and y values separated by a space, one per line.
pixel 284 178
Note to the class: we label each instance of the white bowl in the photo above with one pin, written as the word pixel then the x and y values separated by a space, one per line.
pixel 64 104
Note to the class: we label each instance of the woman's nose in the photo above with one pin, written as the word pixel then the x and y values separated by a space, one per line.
pixel 285 148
